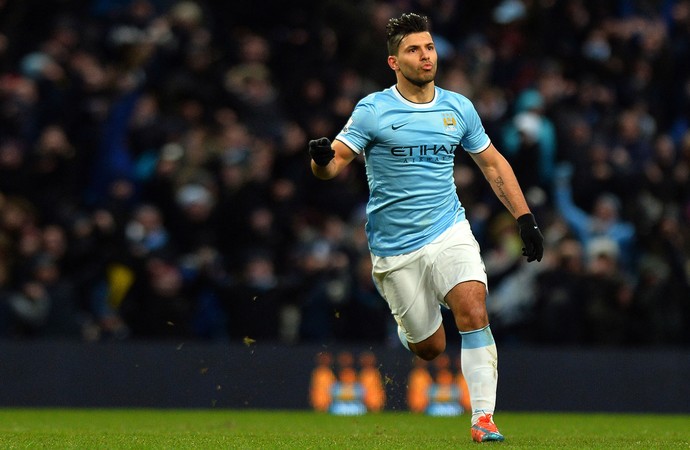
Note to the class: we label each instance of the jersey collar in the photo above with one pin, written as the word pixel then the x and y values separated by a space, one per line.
pixel 430 104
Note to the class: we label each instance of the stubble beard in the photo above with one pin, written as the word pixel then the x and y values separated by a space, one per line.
pixel 421 80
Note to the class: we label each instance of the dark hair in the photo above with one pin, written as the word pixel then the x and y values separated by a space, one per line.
pixel 399 27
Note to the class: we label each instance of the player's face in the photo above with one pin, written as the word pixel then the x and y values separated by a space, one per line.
pixel 417 58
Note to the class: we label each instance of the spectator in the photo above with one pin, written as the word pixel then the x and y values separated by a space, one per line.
pixel 559 309
pixel 159 304
pixel 604 221
pixel 608 296
pixel 530 141
pixel 45 304
pixel 253 303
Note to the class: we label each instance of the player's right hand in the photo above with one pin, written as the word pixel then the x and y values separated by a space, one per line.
pixel 321 151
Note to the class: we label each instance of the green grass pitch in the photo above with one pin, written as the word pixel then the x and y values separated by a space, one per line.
pixel 253 429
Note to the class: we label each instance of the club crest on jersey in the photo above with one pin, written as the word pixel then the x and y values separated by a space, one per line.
pixel 449 123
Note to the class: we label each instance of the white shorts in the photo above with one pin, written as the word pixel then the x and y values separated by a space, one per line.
pixel 415 284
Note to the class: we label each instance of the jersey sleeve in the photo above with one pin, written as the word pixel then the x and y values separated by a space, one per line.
pixel 360 129
pixel 475 138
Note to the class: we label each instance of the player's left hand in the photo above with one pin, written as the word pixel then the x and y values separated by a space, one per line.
pixel 321 151
pixel 531 237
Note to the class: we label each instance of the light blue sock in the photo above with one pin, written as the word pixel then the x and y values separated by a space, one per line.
pixel 477 338
pixel 479 361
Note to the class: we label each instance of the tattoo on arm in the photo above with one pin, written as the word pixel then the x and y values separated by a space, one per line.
pixel 502 196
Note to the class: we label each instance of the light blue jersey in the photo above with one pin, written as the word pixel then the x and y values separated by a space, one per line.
pixel 409 149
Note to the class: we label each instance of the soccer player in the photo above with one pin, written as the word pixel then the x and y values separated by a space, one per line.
pixel 422 248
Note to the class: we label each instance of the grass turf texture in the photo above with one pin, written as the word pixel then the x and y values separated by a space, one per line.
pixel 249 429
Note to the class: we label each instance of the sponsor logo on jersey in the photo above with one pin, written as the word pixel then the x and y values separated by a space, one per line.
pixel 424 153
pixel 424 150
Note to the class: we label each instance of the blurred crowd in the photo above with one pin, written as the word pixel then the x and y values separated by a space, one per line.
pixel 154 179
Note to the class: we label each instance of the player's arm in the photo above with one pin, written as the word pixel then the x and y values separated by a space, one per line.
pixel 329 158
pixel 504 183
pixel 501 177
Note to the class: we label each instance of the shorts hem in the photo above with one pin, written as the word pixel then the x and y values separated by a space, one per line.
pixel 435 328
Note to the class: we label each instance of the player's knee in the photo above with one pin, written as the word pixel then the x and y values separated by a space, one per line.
pixel 473 322
pixel 430 351
pixel 474 317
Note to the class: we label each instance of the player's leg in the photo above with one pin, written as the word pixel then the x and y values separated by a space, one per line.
pixel 479 358
pixel 420 328
pixel 403 281
pixel 430 347
pixel 467 301
pixel 463 284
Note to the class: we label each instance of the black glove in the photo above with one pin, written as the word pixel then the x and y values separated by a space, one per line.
pixel 531 236
pixel 321 152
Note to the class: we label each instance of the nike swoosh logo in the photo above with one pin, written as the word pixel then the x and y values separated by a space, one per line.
pixel 399 126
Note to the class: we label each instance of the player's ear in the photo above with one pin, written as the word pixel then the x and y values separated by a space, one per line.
pixel 393 62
